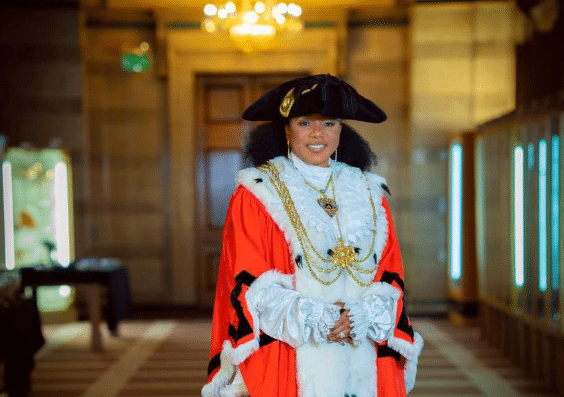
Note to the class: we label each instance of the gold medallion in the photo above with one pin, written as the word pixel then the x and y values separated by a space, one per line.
pixel 343 255
pixel 328 204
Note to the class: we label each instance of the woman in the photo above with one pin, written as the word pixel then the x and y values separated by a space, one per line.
pixel 309 297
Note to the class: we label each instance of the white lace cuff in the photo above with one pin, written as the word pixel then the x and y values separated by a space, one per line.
pixel 285 315
pixel 374 315
pixel 330 315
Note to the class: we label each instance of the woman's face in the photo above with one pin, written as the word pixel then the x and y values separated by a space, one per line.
pixel 313 138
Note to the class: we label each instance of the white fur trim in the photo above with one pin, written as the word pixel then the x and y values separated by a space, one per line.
pixel 243 351
pixel 224 375
pixel 384 289
pixel 411 352
pixel 331 369
pixel 266 194
pixel 235 390
pixel 222 384
pixel 376 182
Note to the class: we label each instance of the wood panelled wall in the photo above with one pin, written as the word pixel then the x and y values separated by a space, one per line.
pixel 126 147
pixel 540 59
pixel 40 84
pixel 115 132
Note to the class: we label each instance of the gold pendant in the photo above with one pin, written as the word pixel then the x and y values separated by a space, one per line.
pixel 329 205
pixel 343 255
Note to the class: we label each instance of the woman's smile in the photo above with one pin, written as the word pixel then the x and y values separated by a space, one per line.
pixel 316 148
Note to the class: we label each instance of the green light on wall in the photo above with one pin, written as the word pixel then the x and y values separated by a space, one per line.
pixel 131 62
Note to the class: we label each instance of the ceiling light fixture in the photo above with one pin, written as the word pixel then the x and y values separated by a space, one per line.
pixel 253 25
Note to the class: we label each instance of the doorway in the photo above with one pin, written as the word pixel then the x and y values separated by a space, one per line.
pixel 221 134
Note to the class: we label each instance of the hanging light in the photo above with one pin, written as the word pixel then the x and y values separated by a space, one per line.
pixel 252 25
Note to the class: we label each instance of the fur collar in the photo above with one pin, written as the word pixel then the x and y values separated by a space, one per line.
pixel 351 188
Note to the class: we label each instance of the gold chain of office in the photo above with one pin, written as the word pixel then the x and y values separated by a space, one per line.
pixel 342 256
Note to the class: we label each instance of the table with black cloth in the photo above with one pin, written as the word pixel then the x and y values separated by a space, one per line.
pixel 20 335
pixel 110 274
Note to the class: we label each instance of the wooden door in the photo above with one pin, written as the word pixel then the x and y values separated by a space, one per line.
pixel 221 135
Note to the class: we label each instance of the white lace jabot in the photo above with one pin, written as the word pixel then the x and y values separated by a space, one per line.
pixel 316 175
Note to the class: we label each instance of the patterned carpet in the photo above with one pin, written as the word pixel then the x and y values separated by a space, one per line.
pixel 169 359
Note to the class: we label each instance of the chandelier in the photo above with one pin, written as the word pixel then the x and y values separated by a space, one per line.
pixel 253 25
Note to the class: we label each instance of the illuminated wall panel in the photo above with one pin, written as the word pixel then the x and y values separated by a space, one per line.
pixel 518 217
pixel 456 211
pixel 8 207
pixel 61 215
pixel 37 212
pixel 555 210
pixel 462 258
pixel 542 215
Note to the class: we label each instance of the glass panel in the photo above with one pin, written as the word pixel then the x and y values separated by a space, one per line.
pixel 531 219
pixel 37 207
pixel 480 215
pixel 519 225
pixel 529 288
pixel 37 216
pixel 222 168
pixel 494 203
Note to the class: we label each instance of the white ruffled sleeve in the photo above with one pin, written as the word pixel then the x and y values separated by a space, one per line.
pixel 374 316
pixel 287 316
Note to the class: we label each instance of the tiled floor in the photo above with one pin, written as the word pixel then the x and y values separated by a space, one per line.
pixel 169 359
pixel 455 362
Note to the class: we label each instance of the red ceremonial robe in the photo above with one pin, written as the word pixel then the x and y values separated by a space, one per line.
pixel 252 245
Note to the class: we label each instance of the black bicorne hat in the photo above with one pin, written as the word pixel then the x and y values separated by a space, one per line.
pixel 322 94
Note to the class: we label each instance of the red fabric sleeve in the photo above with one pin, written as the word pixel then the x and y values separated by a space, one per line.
pixel 252 245
pixel 391 381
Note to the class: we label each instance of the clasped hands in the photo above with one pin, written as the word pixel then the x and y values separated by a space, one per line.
pixel 341 331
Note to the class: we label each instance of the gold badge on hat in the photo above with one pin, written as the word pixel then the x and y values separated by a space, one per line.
pixel 313 87
pixel 287 103
pixel 289 100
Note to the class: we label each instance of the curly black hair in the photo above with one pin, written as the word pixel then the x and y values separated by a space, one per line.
pixel 268 141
